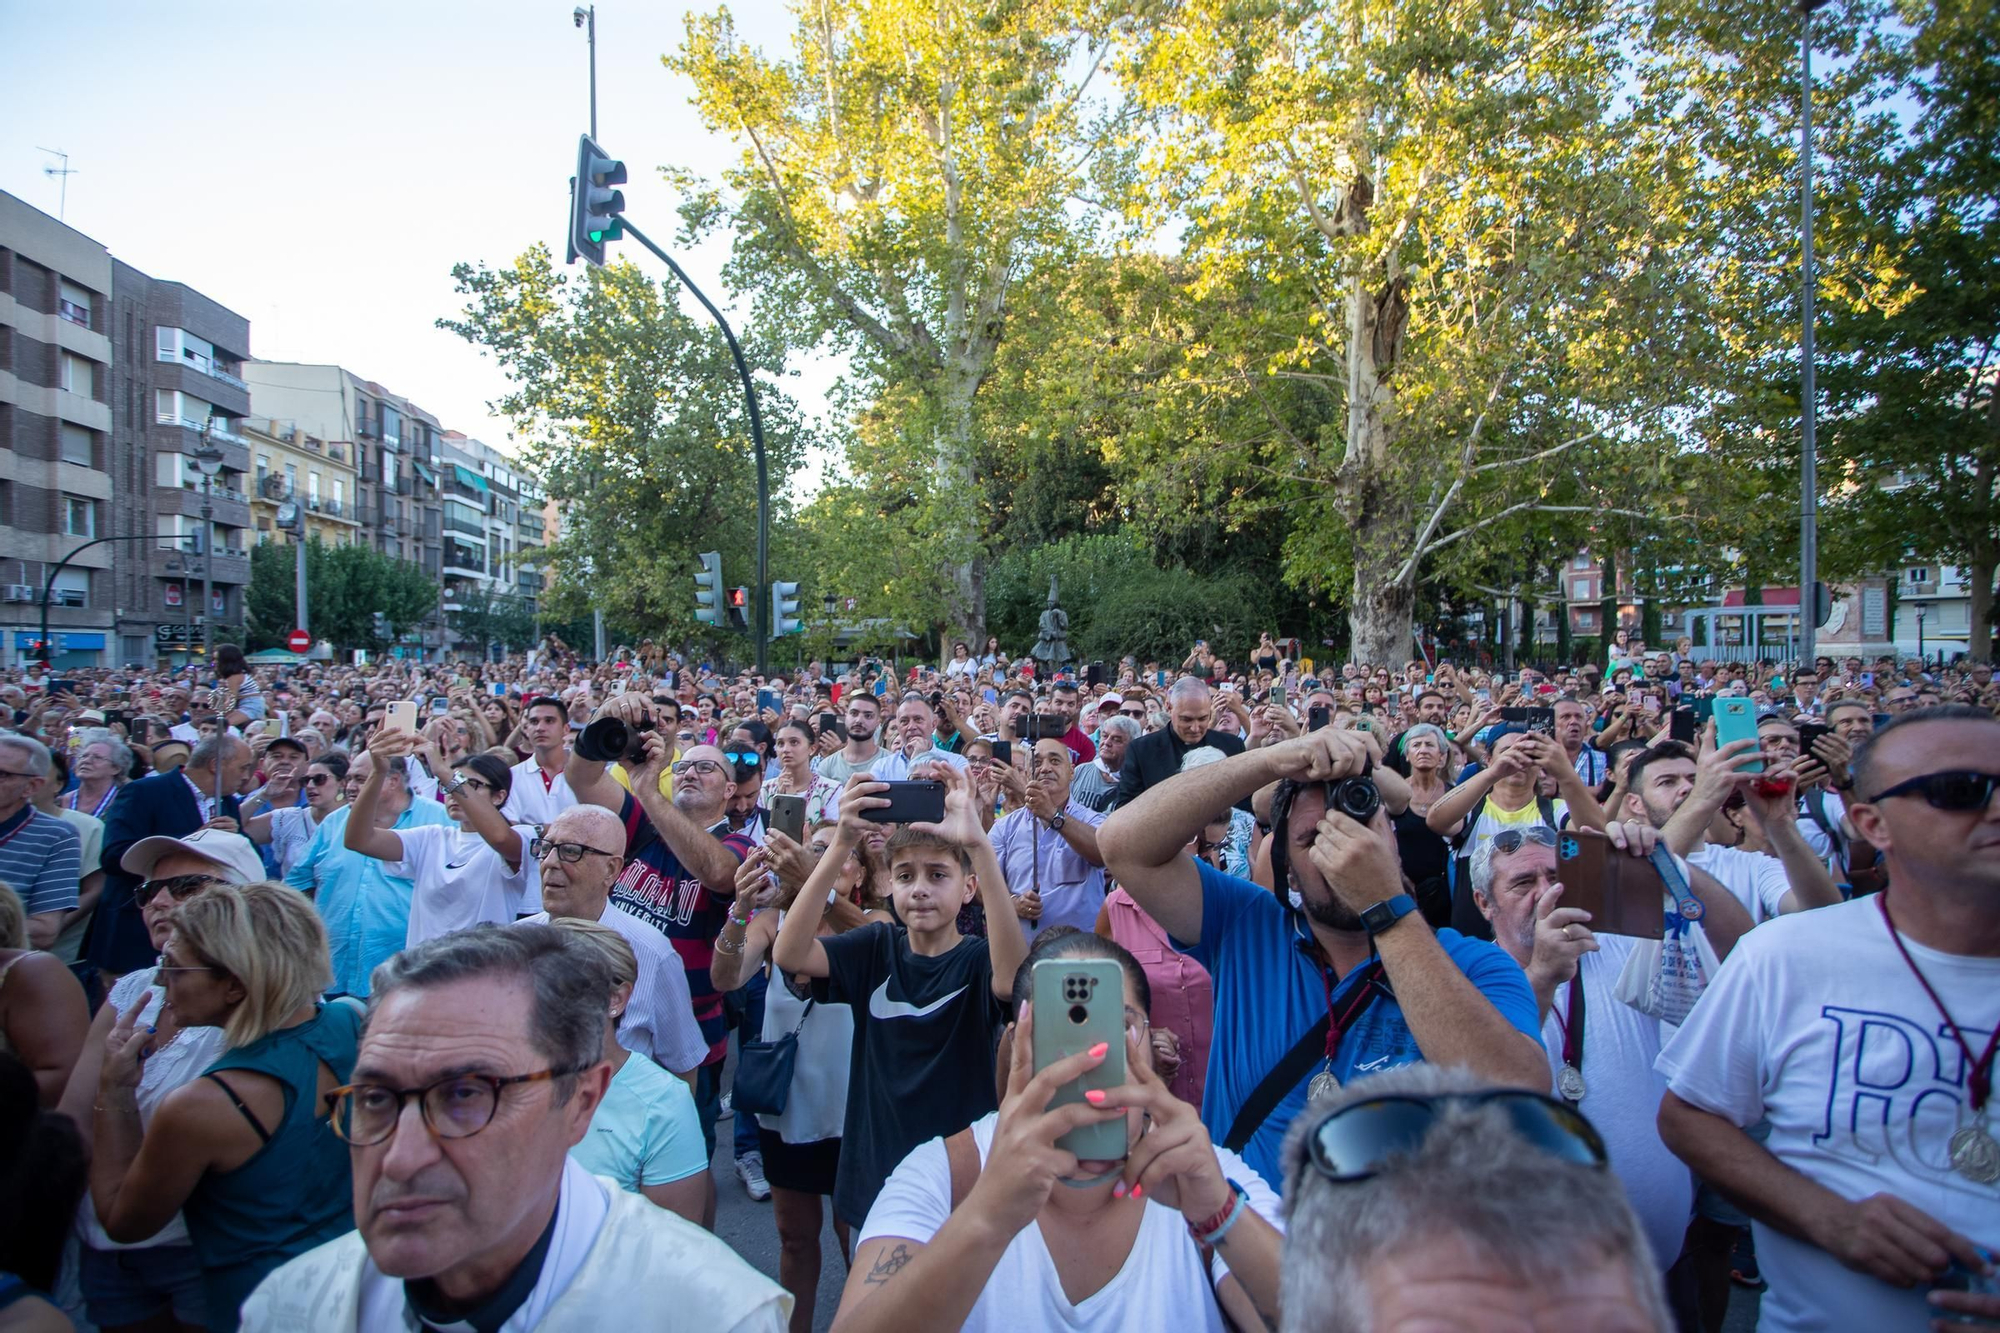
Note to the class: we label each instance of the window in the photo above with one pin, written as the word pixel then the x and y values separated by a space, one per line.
pixel 1579 589
pixel 79 446
pixel 392 426
pixel 78 375
pixel 291 479
pixel 73 304
pixel 79 517
pixel 167 407
pixel 1920 574
pixel 72 588
pixel 340 492
pixel 312 487
pixel 1581 562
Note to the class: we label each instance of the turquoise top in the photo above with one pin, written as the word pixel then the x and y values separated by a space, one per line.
pixel 366 909
pixel 646 1131
pixel 297 1190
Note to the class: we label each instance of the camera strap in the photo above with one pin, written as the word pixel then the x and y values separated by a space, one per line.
pixel 1316 1046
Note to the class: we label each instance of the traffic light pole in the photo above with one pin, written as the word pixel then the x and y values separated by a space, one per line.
pixel 49 584
pixel 763 581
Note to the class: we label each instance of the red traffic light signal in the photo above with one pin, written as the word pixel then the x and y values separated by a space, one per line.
pixel 739 599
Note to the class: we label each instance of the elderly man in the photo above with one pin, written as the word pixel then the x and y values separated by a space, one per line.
pixel 1156 757
pixel 480 1069
pixel 580 856
pixel 1047 848
pixel 1423 1197
pixel 40 855
pixel 1095 784
pixel 915 743
pixel 366 909
pixel 1600 1050
pixel 1863 1033
pixel 680 866
pixel 1351 982
pixel 167 805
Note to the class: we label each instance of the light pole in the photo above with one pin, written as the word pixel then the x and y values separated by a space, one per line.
pixel 1921 608
pixel 585 17
pixel 209 459
pixel 1808 389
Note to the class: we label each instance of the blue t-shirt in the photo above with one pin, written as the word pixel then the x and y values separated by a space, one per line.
pixel 1269 989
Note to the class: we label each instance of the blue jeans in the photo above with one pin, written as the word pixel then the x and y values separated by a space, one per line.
pixel 748 1000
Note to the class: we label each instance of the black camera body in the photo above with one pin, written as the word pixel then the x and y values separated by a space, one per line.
pixel 614 740
pixel 1358 798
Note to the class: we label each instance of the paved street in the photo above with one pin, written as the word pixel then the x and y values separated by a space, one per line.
pixel 749 1228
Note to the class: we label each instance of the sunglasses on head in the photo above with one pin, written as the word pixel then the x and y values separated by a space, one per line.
pixel 1955 791
pixel 1508 840
pixel 1362 1139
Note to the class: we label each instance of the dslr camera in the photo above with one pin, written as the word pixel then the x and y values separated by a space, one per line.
pixel 1357 797
pixel 612 739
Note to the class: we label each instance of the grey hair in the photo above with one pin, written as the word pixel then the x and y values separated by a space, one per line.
pixel 1475 1177
pixel 1128 727
pixel 121 753
pixel 1189 687
pixel 570 982
pixel 1201 756
pixel 36 752
pixel 208 755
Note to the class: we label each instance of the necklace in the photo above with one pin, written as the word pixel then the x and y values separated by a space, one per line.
pixel 1974 1153
pixel 1569 1079
pixel 1325 1083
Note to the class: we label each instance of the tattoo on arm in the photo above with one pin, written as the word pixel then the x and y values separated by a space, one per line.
pixel 889 1265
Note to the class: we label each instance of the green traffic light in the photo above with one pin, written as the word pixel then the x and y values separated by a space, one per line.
pixel 615 232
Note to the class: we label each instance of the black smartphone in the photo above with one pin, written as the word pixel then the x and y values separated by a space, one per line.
pixel 788 816
pixel 1003 752
pixel 1318 716
pixel 915 802
pixel 1534 719
pixel 1680 726
pixel 1094 674
pixel 113 716
pixel 1810 732
pixel 1039 728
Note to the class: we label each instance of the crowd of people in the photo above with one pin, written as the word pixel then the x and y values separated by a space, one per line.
pixel 419 996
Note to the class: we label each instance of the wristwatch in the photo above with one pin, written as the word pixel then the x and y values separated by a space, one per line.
pixel 451 788
pixel 1388 912
pixel 1056 823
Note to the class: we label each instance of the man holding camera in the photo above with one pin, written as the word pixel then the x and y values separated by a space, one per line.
pixel 680 861
pixel 1351 983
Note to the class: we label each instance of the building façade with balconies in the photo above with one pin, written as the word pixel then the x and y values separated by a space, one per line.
pixel 290 464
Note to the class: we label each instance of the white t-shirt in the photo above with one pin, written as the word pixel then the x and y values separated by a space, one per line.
pixel 529 802
pixel 1816 1024
pixel 1162 1283
pixel 459 882
pixel 292 829
pixel 1757 881
pixel 1622 1095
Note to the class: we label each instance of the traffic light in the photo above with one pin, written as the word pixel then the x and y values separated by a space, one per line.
pixel 594 205
pixel 708 589
pixel 739 608
pixel 1822 607
pixel 785 608
pixel 381 622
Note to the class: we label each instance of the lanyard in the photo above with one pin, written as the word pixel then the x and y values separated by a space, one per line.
pixel 1357 1004
pixel 1979 1082
pixel 1571 1024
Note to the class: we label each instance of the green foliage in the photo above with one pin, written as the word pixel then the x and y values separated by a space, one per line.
pixel 485 618
pixel 345 586
pixel 632 413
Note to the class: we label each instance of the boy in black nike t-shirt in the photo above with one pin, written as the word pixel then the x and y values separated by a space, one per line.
pixel 928 1002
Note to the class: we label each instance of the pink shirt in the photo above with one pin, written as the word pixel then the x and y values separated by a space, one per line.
pixel 1183 992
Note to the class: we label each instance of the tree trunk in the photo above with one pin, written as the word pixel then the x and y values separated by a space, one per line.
pixel 1979 623
pixel 1380 616
pixel 958 482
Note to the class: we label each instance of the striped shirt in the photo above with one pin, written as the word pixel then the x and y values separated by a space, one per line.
pixel 41 858
pixel 656 888
pixel 659 1018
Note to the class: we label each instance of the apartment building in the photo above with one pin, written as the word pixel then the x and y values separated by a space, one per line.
pixel 292 464
pixel 178 393
pixel 55 438
pixel 493 523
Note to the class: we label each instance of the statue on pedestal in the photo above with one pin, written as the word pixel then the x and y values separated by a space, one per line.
pixel 1052 648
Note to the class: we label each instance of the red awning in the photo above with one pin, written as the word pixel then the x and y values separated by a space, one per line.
pixel 1772 597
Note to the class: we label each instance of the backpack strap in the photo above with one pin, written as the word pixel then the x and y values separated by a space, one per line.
pixel 963 1155
pixel 1546 809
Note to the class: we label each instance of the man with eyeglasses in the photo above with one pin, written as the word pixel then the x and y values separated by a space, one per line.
pixel 40 855
pixel 1864 1032
pixel 1424 1197
pixel 1096 783
pixel 680 866
pixel 480 1069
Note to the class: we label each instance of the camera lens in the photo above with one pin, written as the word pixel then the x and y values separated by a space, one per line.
pixel 1357 798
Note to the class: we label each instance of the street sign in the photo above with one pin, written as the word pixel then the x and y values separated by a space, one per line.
pixel 298 641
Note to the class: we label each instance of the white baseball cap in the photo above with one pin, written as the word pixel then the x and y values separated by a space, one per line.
pixel 232 853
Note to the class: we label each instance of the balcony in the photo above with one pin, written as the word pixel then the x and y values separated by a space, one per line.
pixel 231 508
pixel 272 487
pixel 475 530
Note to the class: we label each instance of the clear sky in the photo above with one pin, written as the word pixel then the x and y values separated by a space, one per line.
pixel 318 167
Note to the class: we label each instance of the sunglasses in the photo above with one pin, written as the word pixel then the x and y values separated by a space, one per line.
pixel 743 758
pixel 178 887
pixel 1359 1140
pixel 1508 840
pixel 315 779
pixel 1957 792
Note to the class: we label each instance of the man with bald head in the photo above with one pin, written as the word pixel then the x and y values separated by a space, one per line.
pixel 580 855
pixel 1155 757
pixel 679 873
pixel 1864 1032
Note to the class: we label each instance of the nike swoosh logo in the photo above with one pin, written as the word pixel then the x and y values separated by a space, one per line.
pixel 1369 1066
pixel 881 1006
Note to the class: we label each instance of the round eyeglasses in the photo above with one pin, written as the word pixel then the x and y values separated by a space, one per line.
pixel 455 1107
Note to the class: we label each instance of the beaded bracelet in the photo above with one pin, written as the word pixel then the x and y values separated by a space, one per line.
pixel 1211 1232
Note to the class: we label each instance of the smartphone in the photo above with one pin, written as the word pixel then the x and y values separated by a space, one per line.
pixel 1624 894
pixel 788 816
pixel 401 716
pixel 1318 716
pixel 768 699
pixel 917 802
pixel 1809 732
pixel 1278 695
pixel 1704 709
pixel 1680 726
pixel 497 690
pixel 1534 719
pixel 113 716
pixel 1094 674
pixel 1650 703
pixel 1003 752
pixel 1736 720
pixel 440 706
pixel 1080 1002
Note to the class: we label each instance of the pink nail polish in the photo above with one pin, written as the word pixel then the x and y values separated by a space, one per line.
pixel 1138 1190
pixel 1095 1096
pixel 1097 1051
pixel 1118 1190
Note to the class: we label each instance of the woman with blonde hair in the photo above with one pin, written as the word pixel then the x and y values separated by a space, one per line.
pixel 646 1133
pixel 244 1152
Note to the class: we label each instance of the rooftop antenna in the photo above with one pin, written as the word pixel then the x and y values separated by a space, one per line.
pixel 65 171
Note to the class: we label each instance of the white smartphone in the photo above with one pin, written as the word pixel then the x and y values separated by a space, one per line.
pixel 402 716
